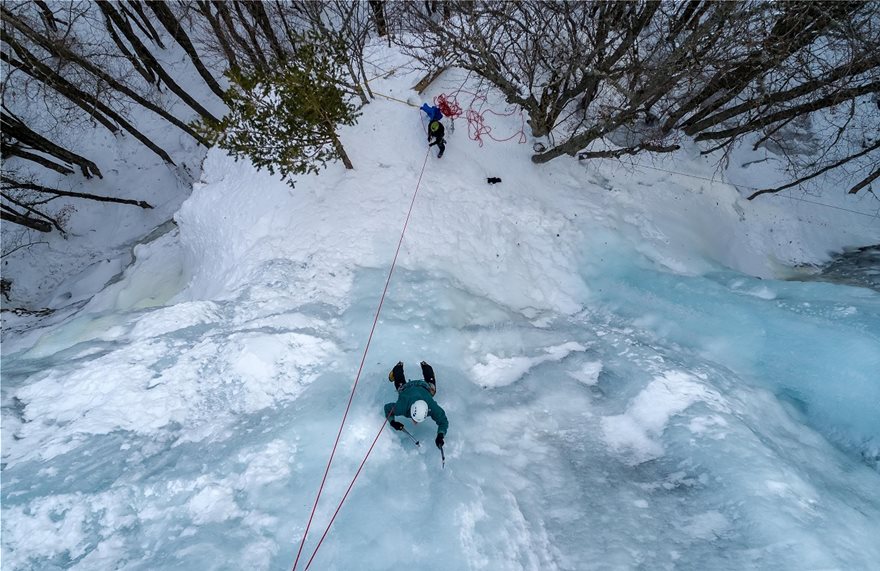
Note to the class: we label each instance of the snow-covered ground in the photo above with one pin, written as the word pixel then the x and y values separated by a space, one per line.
pixel 628 385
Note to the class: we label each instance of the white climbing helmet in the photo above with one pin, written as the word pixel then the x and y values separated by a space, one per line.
pixel 418 411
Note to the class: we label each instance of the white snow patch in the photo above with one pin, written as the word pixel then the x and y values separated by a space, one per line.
pixel 213 504
pixel 502 371
pixel 636 432
pixel 709 525
pixel 588 373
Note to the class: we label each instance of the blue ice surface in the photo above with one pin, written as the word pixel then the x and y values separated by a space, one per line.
pixel 776 470
pixel 815 345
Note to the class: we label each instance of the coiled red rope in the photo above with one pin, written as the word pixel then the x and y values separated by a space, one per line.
pixel 353 389
pixel 449 108
pixel 476 118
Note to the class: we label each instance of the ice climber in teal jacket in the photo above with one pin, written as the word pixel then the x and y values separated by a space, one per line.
pixel 416 401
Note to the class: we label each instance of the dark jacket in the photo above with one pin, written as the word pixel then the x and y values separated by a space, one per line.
pixel 410 393
pixel 438 134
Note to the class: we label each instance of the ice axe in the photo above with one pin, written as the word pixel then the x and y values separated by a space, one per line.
pixel 411 436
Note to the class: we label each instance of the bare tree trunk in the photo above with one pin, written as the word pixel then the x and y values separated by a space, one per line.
pixel 256 48
pixel 16 151
pixel 679 24
pixel 825 169
pixel 865 182
pixel 10 215
pixel 835 98
pixel 258 13
pixel 64 53
pixel 849 70
pixel 291 37
pixel 257 61
pixel 13 127
pixel 167 18
pixel 12 183
pixel 31 66
pixel 138 66
pixel 337 144
pixel 617 153
pixel 204 8
pixel 10 149
pixel 26 216
pixel 142 22
pixel 378 8
pixel 47 15
pixel 793 30
pixel 147 57
pixel 578 142
pixel 90 104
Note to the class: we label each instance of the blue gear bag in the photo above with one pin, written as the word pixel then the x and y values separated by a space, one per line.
pixel 433 112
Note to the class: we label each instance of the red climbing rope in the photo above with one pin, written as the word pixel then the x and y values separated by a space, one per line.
pixel 449 108
pixel 477 128
pixel 350 485
pixel 353 388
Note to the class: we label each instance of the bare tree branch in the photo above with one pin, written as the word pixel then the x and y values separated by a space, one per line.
pixel 12 183
pixel 823 170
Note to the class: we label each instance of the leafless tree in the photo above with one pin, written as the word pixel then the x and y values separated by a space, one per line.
pixel 25 200
pixel 174 25
pixel 54 57
pixel 258 36
pixel 640 74
pixel 346 25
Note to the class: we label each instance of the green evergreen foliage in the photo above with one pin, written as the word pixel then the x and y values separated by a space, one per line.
pixel 286 119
